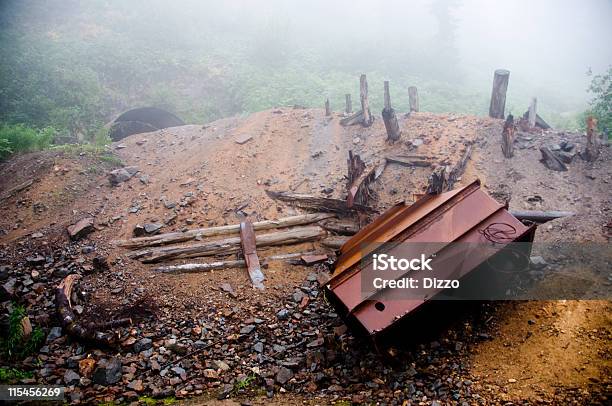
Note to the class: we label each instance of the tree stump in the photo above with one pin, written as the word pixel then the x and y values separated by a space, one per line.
pixel 327 108
pixel 365 104
pixel 389 117
pixel 508 137
pixel 498 94
pixel 349 104
pixel 413 98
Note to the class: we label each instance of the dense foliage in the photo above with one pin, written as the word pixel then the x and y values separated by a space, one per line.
pixel 73 66
pixel 601 105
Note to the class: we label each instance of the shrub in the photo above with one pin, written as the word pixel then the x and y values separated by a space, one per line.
pixel 13 345
pixel 601 104
pixel 19 138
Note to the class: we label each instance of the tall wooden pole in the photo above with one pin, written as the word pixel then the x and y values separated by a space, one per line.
pixel 591 152
pixel 389 117
pixel 413 98
pixel 349 103
pixel 533 114
pixel 365 104
pixel 498 94
pixel 327 108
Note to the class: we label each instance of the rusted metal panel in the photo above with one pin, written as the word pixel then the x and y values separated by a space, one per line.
pixel 434 224
pixel 247 240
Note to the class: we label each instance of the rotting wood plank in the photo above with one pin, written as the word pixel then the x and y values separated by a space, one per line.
pixel 176 237
pixel 321 204
pixel 228 246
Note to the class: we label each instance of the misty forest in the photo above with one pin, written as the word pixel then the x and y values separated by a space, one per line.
pixel 196 195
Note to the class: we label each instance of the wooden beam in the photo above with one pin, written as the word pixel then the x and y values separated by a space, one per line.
pixel 228 245
pixel 498 93
pixel 551 161
pixel 249 251
pixel 172 238
pixel 459 168
pixel 317 203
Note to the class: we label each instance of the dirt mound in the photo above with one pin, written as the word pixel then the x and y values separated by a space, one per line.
pixel 287 336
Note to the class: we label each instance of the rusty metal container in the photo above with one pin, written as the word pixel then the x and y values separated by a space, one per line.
pixel 437 224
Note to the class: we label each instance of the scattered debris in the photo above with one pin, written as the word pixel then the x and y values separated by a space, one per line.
pixel 551 160
pixel 16 189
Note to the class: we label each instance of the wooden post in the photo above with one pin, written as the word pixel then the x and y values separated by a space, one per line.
pixel 508 137
pixel 365 104
pixel 389 117
pixel 591 151
pixel 349 103
pixel 533 114
pixel 387 95
pixel 498 94
pixel 413 98
pixel 327 109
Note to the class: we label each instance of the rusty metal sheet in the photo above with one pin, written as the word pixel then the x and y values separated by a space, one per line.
pixel 247 240
pixel 456 216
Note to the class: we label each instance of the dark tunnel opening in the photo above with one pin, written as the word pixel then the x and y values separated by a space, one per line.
pixel 142 119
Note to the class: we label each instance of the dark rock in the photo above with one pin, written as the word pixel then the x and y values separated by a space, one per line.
pixel 248 329
pixel 8 289
pixel 55 333
pixel 71 377
pixel 282 314
pixel 100 263
pixel 36 260
pixel 152 228
pixel 108 372
pixel 121 175
pixel 565 157
pixel 138 230
pixel 258 347
pixel 81 228
pixel 143 344
pixel 283 375
pixel 88 249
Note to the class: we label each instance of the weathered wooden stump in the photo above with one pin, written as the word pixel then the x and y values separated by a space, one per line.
pixel 532 112
pixel 349 104
pixel 508 137
pixel 365 104
pixel 389 117
pixel 591 151
pixel 498 94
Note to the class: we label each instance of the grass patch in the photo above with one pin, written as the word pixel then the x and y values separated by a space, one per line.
pixel 11 375
pixel 13 345
pixel 15 138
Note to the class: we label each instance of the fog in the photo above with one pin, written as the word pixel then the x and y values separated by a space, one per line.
pixel 208 59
